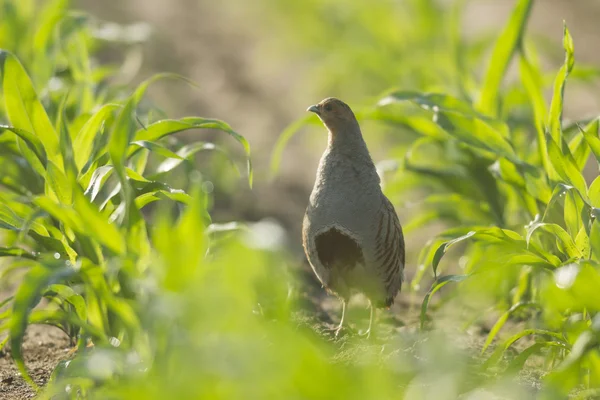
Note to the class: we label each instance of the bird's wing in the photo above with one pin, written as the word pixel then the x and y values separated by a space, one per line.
pixel 389 251
pixel 320 271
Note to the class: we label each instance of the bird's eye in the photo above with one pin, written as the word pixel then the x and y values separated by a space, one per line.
pixel 327 107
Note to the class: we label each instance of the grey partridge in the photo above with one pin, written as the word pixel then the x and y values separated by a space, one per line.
pixel 351 234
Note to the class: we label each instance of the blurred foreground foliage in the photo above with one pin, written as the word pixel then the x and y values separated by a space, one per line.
pixel 109 226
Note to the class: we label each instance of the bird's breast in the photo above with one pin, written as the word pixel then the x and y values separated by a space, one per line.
pixel 343 200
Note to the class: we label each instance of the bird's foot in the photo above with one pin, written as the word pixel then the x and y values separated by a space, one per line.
pixel 368 334
pixel 339 331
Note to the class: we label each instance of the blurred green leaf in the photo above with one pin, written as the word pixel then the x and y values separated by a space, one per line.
pixel 81 216
pixel 499 351
pixel 566 167
pixel 187 151
pixel 156 148
pixel 27 296
pixel 419 124
pixel 23 107
pixel 590 133
pixel 502 320
pixel 32 143
pixel 83 142
pixel 461 121
pixel 16 252
pixel 99 176
pixel 437 285
pixel 57 184
pixel 556 107
pixel 563 238
pixel 439 253
pixel 283 140
pixel 66 293
pixel 164 128
pixel 505 47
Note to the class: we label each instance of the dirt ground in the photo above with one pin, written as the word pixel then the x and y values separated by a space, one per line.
pixel 44 347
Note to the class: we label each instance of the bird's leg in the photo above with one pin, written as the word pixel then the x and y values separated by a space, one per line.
pixel 371 319
pixel 339 328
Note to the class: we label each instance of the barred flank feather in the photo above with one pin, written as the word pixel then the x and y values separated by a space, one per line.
pixel 390 251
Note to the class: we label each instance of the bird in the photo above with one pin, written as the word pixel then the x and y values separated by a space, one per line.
pixel 351 234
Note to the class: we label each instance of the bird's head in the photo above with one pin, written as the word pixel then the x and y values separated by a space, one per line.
pixel 334 113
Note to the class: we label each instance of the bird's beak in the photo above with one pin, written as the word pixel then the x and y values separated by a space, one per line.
pixel 314 109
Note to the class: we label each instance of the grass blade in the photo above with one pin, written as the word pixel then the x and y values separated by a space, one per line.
pixel 283 140
pixel 504 50
pixel 566 167
pixel 502 320
pixel 590 134
pixel 556 107
pixel 437 285
pixel 84 140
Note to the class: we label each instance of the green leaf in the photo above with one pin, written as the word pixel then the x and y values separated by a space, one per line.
pixel 23 107
pixel 590 134
pixel 121 135
pixel 564 240
pixel 16 252
pixel 518 362
pixel 497 354
pixel 439 253
pixel 574 208
pixel 67 294
pixel 437 285
pixel 150 197
pixel 585 343
pixel 167 127
pixel 582 242
pixel 58 184
pixel 123 129
pixel 99 176
pixel 8 218
pixel 532 79
pixel 83 215
pixel 594 193
pixel 187 152
pixel 461 121
pixel 458 208
pixel 283 139
pixel 156 148
pixel 595 237
pixel 436 102
pixel 566 167
pixel 502 320
pixel 505 47
pixel 416 123
pixel 27 296
pixel 104 232
pixel 556 107
pixel 477 133
pixel 183 256
pixel 84 140
pixel 34 144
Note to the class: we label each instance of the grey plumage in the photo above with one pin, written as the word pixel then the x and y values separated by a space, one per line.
pixel 351 234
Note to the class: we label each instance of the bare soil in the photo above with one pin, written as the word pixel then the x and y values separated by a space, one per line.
pixel 44 347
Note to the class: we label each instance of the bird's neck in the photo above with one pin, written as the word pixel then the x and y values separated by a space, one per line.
pixel 347 140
